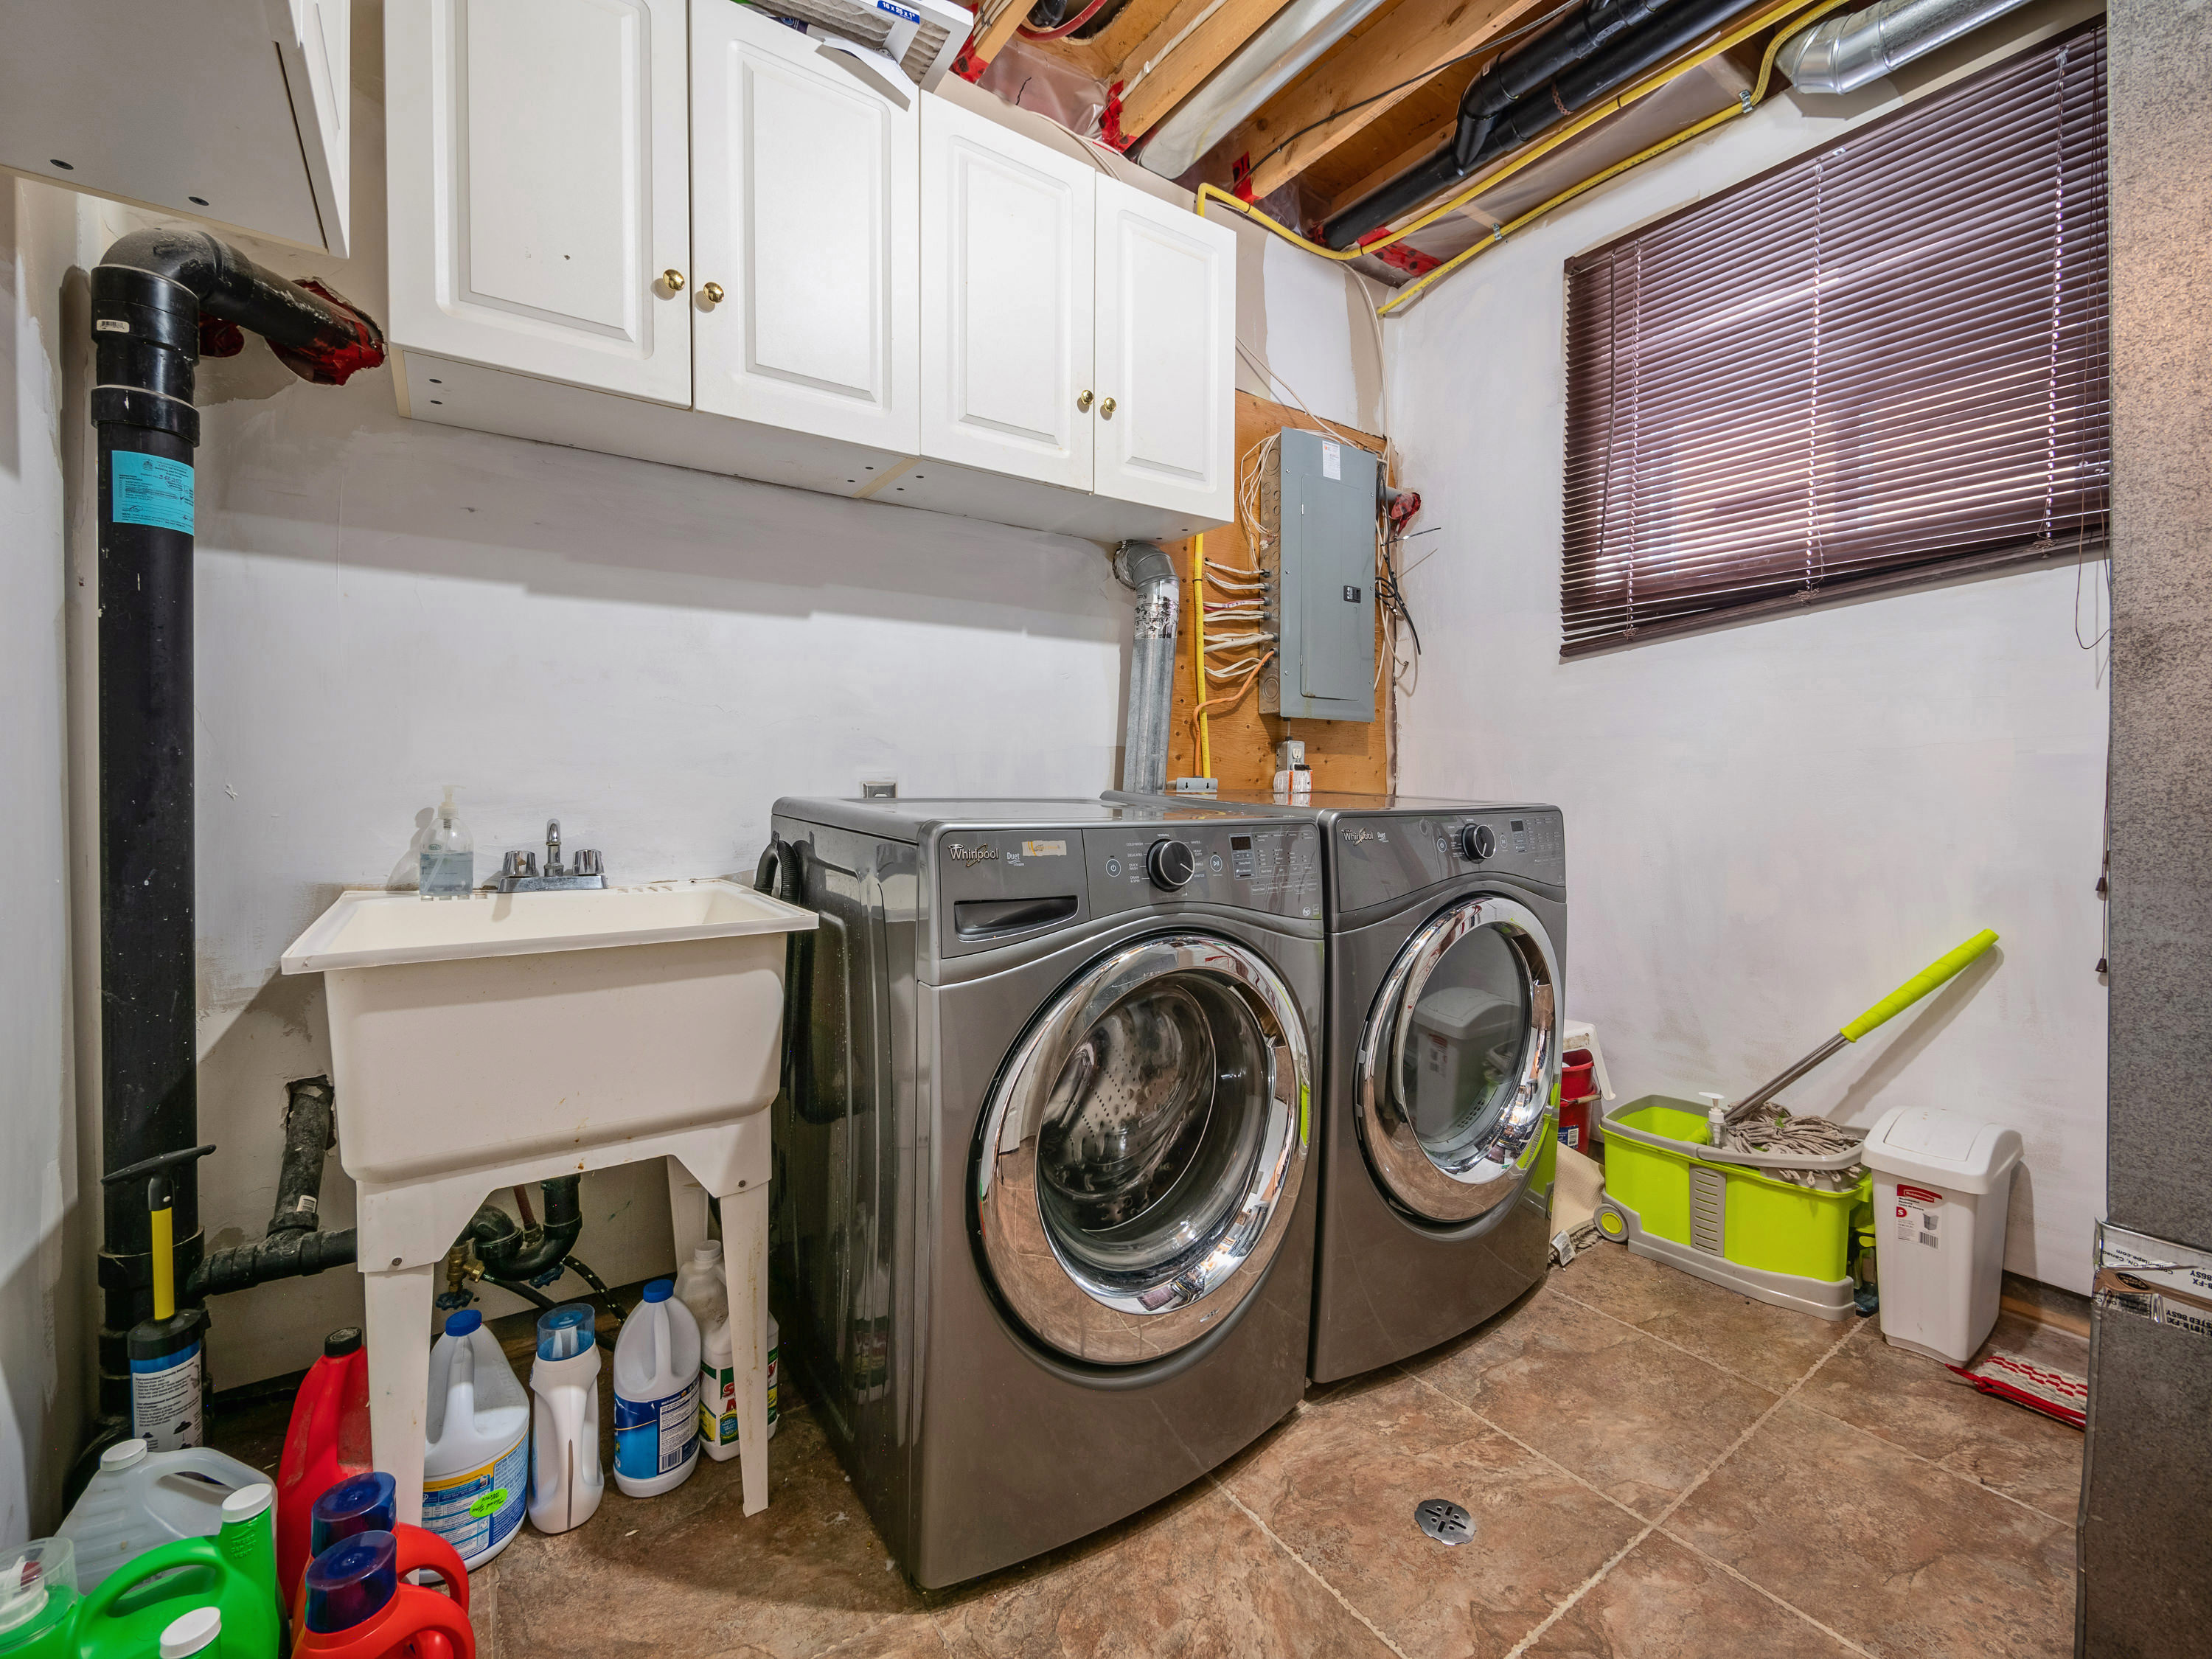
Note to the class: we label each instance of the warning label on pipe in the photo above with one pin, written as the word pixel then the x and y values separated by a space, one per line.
pixel 152 491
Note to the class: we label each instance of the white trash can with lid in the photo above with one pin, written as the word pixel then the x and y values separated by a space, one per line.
pixel 1942 1184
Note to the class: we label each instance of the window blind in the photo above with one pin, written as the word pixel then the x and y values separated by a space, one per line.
pixel 1881 362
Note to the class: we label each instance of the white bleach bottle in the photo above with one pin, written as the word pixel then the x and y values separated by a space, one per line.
pixel 702 1287
pixel 566 1478
pixel 656 1395
pixel 476 1467
pixel 718 1389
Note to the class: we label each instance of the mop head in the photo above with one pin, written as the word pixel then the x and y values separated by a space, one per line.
pixel 1771 1130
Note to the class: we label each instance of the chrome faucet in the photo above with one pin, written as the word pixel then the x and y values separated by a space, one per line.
pixel 520 873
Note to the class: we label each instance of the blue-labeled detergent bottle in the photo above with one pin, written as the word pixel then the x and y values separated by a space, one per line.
pixel 476 1468
pixel 656 1395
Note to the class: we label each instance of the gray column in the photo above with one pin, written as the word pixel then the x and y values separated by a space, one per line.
pixel 2146 1543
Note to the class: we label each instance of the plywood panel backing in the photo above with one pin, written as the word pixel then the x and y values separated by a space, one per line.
pixel 1345 754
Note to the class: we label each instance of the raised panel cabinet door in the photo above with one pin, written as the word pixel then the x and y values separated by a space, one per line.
pixel 1007 230
pixel 803 204
pixel 538 185
pixel 1166 343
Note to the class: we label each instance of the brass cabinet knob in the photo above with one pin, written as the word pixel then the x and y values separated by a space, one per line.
pixel 1084 403
pixel 712 293
pixel 673 280
pixel 1106 410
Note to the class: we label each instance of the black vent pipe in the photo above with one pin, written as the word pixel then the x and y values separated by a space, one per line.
pixel 159 297
pixel 1532 90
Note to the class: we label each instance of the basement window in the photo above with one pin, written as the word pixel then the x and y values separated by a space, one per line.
pixel 1882 363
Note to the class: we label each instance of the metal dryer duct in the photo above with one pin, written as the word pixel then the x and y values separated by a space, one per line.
pixel 1533 89
pixel 1844 54
pixel 1151 663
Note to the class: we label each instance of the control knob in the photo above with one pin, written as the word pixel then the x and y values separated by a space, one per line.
pixel 1170 864
pixel 1477 843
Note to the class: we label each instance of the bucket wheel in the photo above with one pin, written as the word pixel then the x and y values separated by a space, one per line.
pixel 1613 1221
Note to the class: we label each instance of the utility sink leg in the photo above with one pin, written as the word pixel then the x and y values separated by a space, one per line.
pixel 399 1306
pixel 688 1215
pixel 745 1260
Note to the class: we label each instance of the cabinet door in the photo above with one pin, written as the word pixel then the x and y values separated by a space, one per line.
pixel 802 201
pixel 1166 343
pixel 317 54
pixel 539 186
pixel 1007 233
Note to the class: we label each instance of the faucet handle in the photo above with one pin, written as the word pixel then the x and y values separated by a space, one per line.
pixel 520 864
pixel 587 862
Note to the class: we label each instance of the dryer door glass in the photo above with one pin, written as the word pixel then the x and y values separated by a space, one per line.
pixel 1142 1154
pixel 1454 1077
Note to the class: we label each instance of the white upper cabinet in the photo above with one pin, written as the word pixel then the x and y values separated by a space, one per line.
pixel 538 188
pixel 804 180
pixel 318 59
pixel 1006 251
pixel 1166 334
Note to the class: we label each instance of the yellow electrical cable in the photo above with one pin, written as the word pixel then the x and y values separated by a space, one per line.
pixel 1743 107
pixel 1204 745
pixel 1530 154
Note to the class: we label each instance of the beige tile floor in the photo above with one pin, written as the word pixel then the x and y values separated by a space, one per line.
pixel 1655 1467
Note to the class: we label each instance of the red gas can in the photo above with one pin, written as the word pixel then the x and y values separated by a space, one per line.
pixel 357 1608
pixel 328 1441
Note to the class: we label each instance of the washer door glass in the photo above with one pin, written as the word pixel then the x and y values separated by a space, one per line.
pixel 1456 1070
pixel 1142 1153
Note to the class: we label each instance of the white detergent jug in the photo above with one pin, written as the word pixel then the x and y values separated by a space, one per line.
pixel 718 1390
pixel 140 1499
pixel 656 1395
pixel 566 1478
pixel 702 1287
pixel 476 1467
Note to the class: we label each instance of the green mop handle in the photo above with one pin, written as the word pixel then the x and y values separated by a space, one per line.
pixel 1938 972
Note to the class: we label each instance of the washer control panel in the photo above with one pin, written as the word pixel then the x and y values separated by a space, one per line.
pixel 1383 856
pixel 1266 865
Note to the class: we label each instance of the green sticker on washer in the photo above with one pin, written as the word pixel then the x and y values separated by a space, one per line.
pixel 150 489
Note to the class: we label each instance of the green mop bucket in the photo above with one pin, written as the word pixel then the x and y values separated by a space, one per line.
pixel 1671 1196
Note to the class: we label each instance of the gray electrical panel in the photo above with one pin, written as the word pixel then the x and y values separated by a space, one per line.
pixel 1317 516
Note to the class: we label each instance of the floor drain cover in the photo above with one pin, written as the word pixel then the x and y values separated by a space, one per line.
pixel 1445 1521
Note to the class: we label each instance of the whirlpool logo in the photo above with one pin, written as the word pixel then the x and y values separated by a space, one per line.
pixel 1359 834
pixel 969 856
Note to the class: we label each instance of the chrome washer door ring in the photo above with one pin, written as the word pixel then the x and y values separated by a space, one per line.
pixel 1457 1144
pixel 1142 1151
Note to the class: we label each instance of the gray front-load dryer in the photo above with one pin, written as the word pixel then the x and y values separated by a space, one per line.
pixel 1447 958
pixel 1043 1219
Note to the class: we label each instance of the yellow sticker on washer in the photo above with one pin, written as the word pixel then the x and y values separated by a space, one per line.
pixel 1044 849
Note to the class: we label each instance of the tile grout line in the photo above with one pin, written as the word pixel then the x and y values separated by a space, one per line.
pixel 1649 1527
pixel 1668 1514
pixel 1311 1571
pixel 1725 1370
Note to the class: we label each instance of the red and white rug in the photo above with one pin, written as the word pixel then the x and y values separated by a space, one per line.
pixel 2054 1393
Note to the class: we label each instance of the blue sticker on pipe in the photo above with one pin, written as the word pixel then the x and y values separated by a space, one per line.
pixel 152 491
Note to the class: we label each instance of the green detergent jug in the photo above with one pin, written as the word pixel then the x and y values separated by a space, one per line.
pixel 233 1572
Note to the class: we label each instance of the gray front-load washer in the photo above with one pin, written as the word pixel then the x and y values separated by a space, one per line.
pixel 1447 959
pixel 1043 1223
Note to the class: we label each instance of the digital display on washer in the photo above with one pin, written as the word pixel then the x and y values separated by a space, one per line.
pixel 1240 854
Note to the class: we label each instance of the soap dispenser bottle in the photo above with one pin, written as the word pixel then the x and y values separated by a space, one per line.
pixel 448 868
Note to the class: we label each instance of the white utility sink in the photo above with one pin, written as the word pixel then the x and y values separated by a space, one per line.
pixel 485 1042
pixel 504 1024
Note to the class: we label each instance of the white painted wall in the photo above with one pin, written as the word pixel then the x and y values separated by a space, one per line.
pixel 1769 826
pixel 45 1232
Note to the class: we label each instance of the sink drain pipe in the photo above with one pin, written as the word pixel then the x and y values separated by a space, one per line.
pixel 1152 664
pixel 160 298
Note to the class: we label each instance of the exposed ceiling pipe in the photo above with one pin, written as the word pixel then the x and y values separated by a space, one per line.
pixel 1601 49
pixel 160 299
pixel 1152 664
pixel 1844 54
pixel 1267 63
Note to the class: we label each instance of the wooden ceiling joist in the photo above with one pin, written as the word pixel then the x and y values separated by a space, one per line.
pixel 1176 73
pixel 1411 38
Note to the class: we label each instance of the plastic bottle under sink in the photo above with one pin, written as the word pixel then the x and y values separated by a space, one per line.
pixel 142 1499
pixel 656 1395
pixel 447 865
pixel 718 1389
pixel 476 1468
pixel 328 1441
pixel 702 1287
pixel 566 1479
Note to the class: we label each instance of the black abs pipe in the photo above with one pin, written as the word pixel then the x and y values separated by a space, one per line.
pixel 152 297
pixel 508 1252
pixel 294 1247
pixel 1529 91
